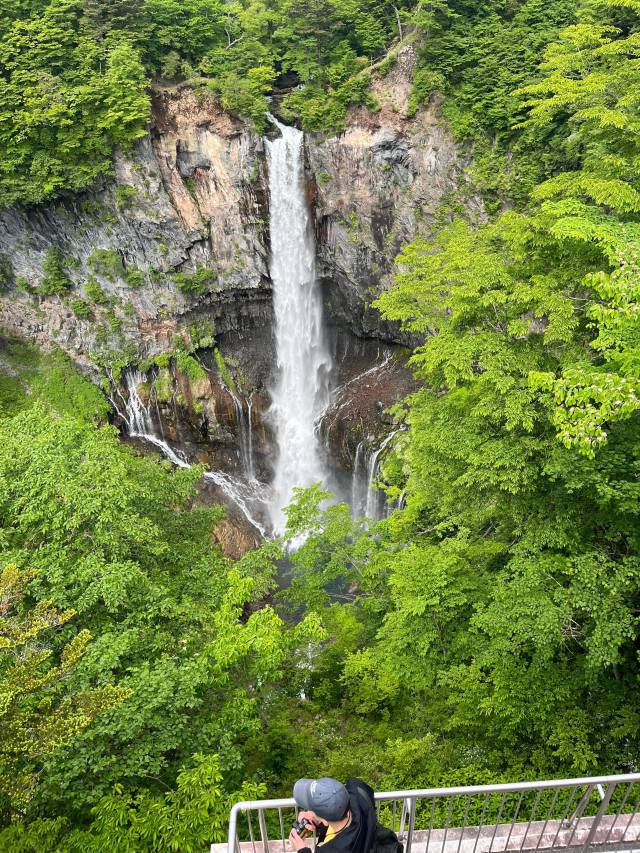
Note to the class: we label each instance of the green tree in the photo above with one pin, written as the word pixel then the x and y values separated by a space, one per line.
pixel 116 538
pixel 69 113
pixel 39 714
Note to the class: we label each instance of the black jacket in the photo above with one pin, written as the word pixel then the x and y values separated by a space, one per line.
pixel 360 835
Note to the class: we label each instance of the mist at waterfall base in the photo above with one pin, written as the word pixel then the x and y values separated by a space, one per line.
pixel 301 393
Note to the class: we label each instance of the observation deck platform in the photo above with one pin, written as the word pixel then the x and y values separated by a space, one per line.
pixel 581 815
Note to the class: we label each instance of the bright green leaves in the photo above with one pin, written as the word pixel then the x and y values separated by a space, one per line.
pixel 64 102
pixel 593 75
pixel 613 193
pixel 124 99
pixel 536 284
pixel 116 538
pixel 513 570
pixel 181 819
pixel 39 715
pixel 74 74
pixel 55 280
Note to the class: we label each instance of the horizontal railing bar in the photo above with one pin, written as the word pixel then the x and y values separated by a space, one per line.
pixel 422 793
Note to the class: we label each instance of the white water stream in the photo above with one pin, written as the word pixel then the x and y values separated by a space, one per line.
pixel 366 499
pixel 245 434
pixel 301 392
pixel 137 417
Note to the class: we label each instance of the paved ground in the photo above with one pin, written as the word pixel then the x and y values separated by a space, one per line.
pixel 621 834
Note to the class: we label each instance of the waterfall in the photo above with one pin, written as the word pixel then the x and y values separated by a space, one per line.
pixel 366 498
pixel 138 416
pixel 359 481
pixel 139 423
pixel 375 498
pixel 301 392
pixel 245 435
pixel 252 464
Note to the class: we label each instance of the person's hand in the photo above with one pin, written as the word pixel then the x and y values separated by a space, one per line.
pixel 310 816
pixel 295 841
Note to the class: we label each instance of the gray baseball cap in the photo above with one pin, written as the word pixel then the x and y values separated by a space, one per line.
pixel 327 797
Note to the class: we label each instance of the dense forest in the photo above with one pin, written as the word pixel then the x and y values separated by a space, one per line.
pixel 486 631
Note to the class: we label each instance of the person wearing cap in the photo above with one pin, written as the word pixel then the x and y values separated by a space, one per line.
pixel 342 816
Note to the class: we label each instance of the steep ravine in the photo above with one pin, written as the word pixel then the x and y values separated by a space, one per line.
pixel 167 269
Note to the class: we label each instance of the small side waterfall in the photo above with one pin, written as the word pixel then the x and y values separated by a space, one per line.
pixel 359 481
pixel 301 392
pixel 245 430
pixel 137 417
pixel 366 499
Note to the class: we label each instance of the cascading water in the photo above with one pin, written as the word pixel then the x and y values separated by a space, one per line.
pixel 139 423
pixel 245 434
pixel 301 392
pixel 366 499
pixel 359 481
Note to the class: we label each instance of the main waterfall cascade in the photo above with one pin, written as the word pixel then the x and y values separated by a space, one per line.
pixel 301 391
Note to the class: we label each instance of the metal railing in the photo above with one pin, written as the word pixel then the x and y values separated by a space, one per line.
pixel 599 813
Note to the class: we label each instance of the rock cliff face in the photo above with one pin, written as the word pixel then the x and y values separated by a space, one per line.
pixel 168 260
pixel 180 238
pixel 377 186
pixel 189 200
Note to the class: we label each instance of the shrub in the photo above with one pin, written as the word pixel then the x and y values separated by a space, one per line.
pixel 94 291
pixel 223 371
pixel 188 365
pixel 6 272
pixel 55 280
pixel 125 195
pixel 114 321
pixel 425 83
pixel 134 277
pixel 107 263
pixel 198 282
pixel 81 308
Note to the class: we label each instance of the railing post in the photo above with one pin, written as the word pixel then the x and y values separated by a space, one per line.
pixel 577 814
pixel 232 837
pixel 604 805
pixel 412 819
pixel 403 816
pixel 263 831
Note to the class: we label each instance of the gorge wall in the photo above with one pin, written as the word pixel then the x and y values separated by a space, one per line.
pixel 167 266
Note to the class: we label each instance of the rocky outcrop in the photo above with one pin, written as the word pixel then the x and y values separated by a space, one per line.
pixel 176 242
pixel 370 377
pixel 378 185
